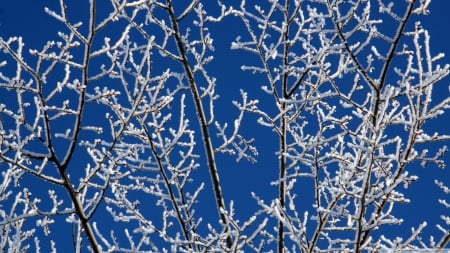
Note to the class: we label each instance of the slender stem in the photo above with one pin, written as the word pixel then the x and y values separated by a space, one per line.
pixel 444 242
pixel 203 123
pixel 62 167
pixel 84 220
pixel 282 189
pixel 363 238
pixel 284 126
pixel 170 189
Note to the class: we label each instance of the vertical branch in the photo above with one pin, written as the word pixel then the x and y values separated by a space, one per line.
pixel 284 127
pixel 62 167
pixel 283 167
pixel 173 198
pixel 363 236
pixel 84 220
pixel 203 122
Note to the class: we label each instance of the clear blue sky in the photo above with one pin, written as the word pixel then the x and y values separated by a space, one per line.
pixel 27 18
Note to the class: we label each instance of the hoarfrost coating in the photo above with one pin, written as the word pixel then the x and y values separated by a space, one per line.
pixel 207 126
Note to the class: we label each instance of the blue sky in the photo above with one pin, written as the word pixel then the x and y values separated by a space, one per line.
pixel 27 19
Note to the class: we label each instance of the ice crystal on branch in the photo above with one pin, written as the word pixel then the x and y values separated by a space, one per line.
pixel 122 130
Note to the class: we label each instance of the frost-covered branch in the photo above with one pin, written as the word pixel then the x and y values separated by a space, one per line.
pixel 112 131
